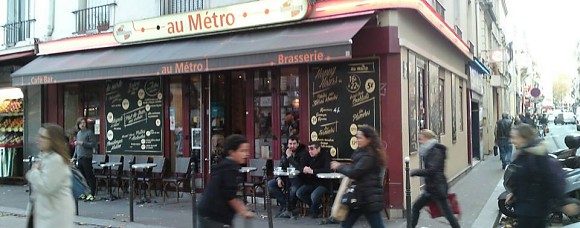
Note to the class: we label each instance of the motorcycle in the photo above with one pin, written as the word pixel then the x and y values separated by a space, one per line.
pixel 572 171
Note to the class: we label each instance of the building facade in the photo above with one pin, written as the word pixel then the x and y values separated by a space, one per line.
pixel 176 77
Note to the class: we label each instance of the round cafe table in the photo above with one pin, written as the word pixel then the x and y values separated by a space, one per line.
pixel 110 166
pixel 143 166
pixel 244 171
pixel 331 177
pixel 281 173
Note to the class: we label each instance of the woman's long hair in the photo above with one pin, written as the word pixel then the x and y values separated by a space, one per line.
pixel 375 145
pixel 57 140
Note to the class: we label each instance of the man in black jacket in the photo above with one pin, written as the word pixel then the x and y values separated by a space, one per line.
pixel 502 139
pixel 292 157
pixel 315 162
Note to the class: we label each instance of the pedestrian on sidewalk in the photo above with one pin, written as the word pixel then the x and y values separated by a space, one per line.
pixel 367 169
pixel 51 201
pixel 219 203
pixel 433 154
pixel 84 145
pixel 534 185
pixel 502 139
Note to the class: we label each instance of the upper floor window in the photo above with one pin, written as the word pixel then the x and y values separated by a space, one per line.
pixel 94 16
pixel 459 32
pixel 179 6
pixel 19 24
pixel 440 9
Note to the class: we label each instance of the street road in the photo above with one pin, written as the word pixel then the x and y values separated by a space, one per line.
pixel 555 138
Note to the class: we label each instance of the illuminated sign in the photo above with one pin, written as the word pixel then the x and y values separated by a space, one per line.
pixel 231 17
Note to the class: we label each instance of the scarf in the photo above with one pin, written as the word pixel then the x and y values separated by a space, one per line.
pixel 425 147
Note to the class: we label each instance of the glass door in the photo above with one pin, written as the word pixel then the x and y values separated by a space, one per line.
pixel 196 110
pixel 263 104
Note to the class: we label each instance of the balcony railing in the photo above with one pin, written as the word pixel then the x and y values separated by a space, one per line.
pixel 179 6
pixel 93 19
pixel 17 31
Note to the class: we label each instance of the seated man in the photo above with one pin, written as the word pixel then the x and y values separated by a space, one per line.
pixel 311 192
pixel 292 156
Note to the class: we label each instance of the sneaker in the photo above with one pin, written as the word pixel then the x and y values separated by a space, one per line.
pixel 89 197
pixel 285 214
pixel 82 197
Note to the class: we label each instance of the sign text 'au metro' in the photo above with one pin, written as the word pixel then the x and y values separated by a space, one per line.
pixel 212 20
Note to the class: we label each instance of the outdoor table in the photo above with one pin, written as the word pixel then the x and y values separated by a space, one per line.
pixel 110 165
pixel 143 166
pixel 280 172
pixel 331 177
pixel 244 171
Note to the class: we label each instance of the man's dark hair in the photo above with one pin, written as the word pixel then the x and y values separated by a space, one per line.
pixel 232 143
pixel 314 143
pixel 294 138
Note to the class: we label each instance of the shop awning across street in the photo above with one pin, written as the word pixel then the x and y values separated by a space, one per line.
pixel 302 43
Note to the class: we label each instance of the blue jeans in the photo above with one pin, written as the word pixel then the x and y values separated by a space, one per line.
pixel 312 195
pixel 374 218
pixel 505 152
pixel 278 193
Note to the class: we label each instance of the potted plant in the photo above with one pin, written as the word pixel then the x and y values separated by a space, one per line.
pixel 103 26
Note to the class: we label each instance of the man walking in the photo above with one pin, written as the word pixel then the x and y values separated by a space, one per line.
pixel 502 139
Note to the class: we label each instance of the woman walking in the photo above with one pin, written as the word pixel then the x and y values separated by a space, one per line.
pixel 51 201
pixel 534 186
pixel 433 155
pixel 219 203
pixel 367 168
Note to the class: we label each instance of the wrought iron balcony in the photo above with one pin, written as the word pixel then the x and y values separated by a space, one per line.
pixel 17 31
pixel 179 6
pixel 94 19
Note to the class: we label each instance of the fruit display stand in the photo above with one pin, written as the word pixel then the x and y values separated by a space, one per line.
pixel 11 137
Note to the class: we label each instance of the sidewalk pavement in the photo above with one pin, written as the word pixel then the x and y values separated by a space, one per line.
pixel 477 191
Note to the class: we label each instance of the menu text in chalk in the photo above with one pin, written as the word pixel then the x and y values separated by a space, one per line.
pixel 134 116
pixel 343 96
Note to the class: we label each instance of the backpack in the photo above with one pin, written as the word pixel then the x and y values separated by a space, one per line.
pixel 79 184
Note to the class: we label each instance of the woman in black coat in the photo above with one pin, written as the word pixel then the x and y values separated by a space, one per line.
pixel 366 170
pixel 433 155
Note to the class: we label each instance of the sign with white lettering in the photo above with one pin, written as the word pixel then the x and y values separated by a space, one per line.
pixel 134 116
pixel 343 97
pixel 231 17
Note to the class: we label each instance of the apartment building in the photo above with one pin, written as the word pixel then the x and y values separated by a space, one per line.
pixel 172 78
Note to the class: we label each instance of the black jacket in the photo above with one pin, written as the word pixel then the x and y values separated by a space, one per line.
pixel 434 171
pixel 366 173
pixel 221 189
pixel 295 160
pixel 531 182
pixel 319 164
pixel 503 128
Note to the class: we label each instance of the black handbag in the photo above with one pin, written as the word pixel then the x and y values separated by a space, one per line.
pixel 352 198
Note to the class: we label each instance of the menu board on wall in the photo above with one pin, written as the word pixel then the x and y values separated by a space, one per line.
pixel 343 96
pixel 134 116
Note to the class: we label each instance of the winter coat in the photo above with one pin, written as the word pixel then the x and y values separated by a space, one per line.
pixel 295 160
pixel 531 182
pixel 221 189
pixel 434 171
pixel 366 173
pixel 52 203
pixel 319 164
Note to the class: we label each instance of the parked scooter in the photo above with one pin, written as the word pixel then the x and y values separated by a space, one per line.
pixel 566 157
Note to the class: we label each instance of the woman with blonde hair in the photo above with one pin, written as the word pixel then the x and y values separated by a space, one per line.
pixel 433 154
pixel 367 168
pixel 51 201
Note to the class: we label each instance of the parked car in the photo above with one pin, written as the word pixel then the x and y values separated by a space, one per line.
pixel 565 118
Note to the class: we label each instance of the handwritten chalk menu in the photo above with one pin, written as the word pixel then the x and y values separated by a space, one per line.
pixel 343 96
pixel 134 116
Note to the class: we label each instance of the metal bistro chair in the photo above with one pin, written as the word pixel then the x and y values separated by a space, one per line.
pixel 155 174
pixel 100 175
pixel 123 176
pixel 256 179
pixel 181 175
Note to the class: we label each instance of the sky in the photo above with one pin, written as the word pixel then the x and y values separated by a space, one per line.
pixel 550 32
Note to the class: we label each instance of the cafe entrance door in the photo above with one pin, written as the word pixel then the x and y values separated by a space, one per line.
pixel 226 114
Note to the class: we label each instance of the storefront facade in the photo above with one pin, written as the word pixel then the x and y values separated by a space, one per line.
pixel 318 77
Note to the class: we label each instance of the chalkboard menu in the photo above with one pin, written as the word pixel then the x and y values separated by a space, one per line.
pixel 343 96
pixel 134 116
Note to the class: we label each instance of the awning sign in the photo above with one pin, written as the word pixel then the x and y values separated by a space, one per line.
pixel 213 20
